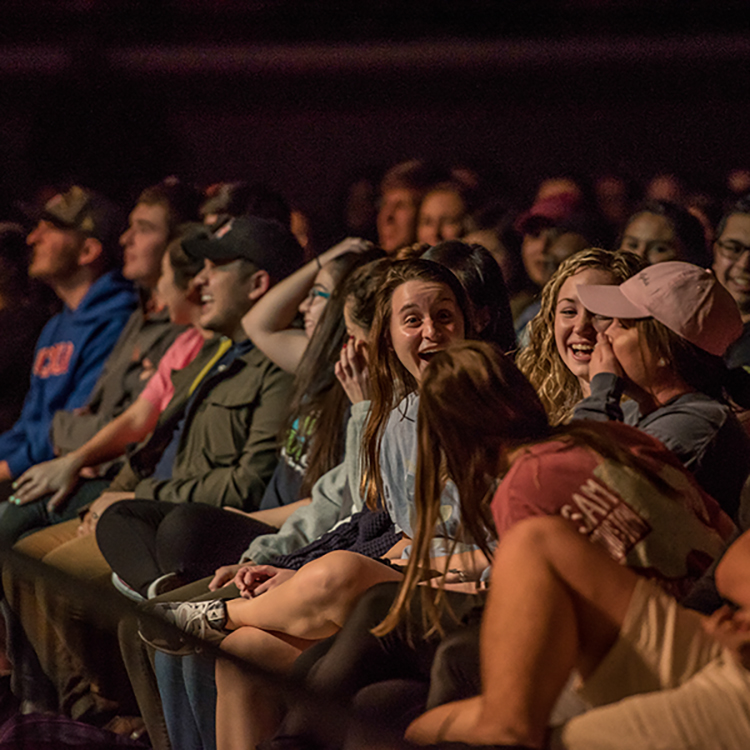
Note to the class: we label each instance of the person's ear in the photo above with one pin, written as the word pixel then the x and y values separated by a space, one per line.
pixel 260 283
pixel 91 250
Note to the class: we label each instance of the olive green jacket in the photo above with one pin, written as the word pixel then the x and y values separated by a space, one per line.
pixel 227 450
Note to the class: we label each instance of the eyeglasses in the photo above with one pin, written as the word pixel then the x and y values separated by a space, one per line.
pixel 732 249
pixel 313 293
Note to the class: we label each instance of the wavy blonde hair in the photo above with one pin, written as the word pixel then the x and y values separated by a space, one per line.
pixel 557 387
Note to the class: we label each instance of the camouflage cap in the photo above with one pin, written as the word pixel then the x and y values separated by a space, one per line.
pixel 85 211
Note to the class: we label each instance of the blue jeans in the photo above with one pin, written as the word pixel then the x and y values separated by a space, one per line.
pixel 188 694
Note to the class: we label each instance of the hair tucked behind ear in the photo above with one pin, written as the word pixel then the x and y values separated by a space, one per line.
pixel 390 381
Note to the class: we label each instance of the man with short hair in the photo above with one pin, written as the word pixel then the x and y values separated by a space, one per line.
pixel 147 334
pixel 732 268
pixel 153 224
pixel 72 250
pixel 401 191
pixel 215 443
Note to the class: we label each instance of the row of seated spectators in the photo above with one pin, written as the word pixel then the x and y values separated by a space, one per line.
pixel 274 453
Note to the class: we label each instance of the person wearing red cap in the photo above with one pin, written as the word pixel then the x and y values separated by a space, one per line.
pixel 672 323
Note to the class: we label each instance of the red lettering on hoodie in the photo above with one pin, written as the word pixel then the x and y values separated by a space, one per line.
pixel 52 361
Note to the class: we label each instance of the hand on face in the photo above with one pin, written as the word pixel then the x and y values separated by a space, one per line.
pixel 351 370
pixel 603 358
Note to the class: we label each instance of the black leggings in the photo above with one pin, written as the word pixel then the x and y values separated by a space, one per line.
pixel 144 539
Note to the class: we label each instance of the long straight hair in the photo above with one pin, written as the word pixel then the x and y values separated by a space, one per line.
pixel 475 408
pixel 390 381
pixel 319 404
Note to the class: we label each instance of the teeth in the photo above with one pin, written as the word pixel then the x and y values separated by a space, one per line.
pixel 206 298
pixel 583 348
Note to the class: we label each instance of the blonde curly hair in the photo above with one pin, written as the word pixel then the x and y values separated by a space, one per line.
pixel 558 389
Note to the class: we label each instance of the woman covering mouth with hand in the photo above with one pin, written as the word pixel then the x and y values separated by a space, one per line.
pixel 672 322
pixel 563 334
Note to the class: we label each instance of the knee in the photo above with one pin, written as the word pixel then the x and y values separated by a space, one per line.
pixel 536 535
pixel 180 528
pixel 330 573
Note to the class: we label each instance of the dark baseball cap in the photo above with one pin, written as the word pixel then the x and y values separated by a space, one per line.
pixel 548 212
pixel 85 211
pixel 267 244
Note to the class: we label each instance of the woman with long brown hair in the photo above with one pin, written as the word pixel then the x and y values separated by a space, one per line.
pixel 482 426
pixel 421 309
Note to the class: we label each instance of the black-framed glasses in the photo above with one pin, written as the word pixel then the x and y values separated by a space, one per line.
pixel 731 249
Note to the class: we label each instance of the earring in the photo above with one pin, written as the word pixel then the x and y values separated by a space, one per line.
pixel 662 362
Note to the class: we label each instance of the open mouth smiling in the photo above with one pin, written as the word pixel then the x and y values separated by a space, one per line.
pixel 427 356
pixel 582 351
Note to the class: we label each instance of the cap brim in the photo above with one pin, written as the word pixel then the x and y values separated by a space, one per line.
pixel 201 248
pixel 609 301
pixel 56 220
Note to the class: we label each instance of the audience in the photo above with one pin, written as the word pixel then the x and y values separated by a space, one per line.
pixel 73 250
pixel 296 524
pixel 59 477
pixel 214 443
pixel 659 231
pixel 147 335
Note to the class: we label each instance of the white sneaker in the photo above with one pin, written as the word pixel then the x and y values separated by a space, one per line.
pixel 204 621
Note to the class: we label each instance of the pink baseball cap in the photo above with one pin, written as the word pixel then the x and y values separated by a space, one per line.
pixel 685 298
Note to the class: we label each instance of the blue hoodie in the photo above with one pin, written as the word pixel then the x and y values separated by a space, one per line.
pixel 69 356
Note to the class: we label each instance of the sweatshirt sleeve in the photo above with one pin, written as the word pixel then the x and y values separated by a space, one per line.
pixel 603 405
pixel 334 496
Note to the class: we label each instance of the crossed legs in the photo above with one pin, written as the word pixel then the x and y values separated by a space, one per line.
pixel 556 604
pixel 271 630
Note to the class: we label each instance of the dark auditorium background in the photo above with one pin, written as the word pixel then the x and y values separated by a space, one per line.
pixel 310 94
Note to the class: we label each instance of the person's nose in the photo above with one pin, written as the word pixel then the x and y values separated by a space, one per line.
pixel 584 322
pixel 430 331
pixel 201 278
pixel 125 236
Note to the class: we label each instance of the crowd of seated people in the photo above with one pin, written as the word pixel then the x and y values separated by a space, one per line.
pixel 480 476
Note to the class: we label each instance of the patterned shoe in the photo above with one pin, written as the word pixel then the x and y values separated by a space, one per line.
pixel 198 620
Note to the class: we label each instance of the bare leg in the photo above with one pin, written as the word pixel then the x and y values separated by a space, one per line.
pixel 316 601
pixel 556 602
pixel 248 710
